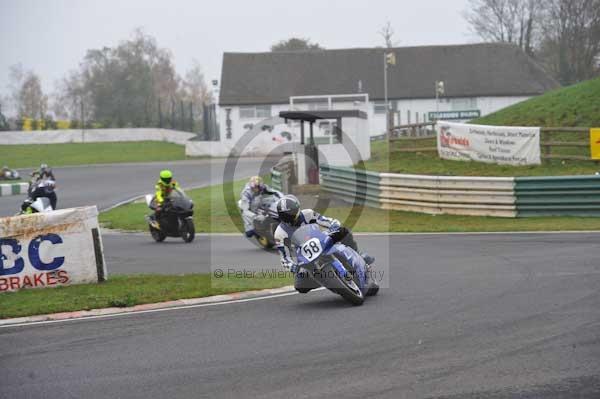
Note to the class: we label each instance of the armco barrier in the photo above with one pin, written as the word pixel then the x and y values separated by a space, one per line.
pixel 558 196
pixel 351 185
pixel 276 180
pixel 483 196
pixel 51 249
pixel 13 189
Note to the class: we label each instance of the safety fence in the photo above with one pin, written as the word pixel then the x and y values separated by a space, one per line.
pixel 463 195
pixel 13 189
pixel 283 176
pixel 558 195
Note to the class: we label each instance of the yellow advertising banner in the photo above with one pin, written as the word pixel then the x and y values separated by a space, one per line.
pixel 595 143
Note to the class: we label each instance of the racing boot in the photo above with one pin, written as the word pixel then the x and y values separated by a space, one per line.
pixel 369 260
pixel 153 222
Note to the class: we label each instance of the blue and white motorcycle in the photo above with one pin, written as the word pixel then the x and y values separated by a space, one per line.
pixel 332 265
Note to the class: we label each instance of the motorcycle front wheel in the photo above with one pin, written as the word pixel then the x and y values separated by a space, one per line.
pixel 347 289
pixel 157 235
pixel 188 231
pixel 264 242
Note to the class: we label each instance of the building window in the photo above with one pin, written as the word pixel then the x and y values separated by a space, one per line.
pixel 258 111
pixel 379 107
pixel 247 112
pixel 263 111
pixel 463 104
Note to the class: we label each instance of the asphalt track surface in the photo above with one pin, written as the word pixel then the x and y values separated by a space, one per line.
pixel 462 316
pixel 106 185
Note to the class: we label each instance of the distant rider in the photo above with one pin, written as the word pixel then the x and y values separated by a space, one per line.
pixel 43 184
pixel 45 172
pixel 250 200
pixel 164 186
pixel 291 217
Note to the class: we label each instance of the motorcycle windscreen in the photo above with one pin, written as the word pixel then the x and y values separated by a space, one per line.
pixel 309 242
pixel 180 199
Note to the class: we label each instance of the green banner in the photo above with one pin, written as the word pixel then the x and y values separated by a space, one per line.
pixel 451 115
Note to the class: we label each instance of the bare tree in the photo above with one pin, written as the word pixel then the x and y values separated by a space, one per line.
pixel 571 39
pixel 507 21
pixel 27 94
pixel 387 33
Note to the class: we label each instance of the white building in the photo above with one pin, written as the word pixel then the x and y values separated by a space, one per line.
pixel 480 78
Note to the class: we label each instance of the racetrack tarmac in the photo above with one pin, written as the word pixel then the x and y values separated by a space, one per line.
pixel 106 185
pixel 464 316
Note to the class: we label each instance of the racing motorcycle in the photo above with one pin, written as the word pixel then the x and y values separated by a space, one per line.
pixel 333 265
pixel 42 191
pixel 175 219
pixel 266 221
pixel 9 174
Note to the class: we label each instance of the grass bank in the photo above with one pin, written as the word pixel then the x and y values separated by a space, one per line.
pixel 25 156
pixel 214 217
pixel 575 105
pixel 130 290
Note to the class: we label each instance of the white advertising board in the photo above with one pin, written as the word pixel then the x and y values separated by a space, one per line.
pixel 511 145
pixel 51 249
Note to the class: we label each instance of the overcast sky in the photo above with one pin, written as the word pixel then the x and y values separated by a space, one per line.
pixel 52 36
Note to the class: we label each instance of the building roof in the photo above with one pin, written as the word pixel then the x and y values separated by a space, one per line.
pixel 471 70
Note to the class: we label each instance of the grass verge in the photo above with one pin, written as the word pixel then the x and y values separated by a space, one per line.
pixel 130 290
pixel 210 211
pixel 24 156
pixel 212 216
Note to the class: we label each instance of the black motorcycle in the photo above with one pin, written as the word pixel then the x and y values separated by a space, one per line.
pixel 266 221
pixel 175 218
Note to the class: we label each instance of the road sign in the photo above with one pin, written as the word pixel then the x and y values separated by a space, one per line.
pixel 595 143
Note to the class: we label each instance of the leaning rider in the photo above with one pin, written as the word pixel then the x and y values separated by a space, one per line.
pixel 44 172
pixel 250 200
pixel 291 217
pixel 164 186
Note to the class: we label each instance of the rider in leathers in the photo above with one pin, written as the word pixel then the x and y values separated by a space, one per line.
pixel 249 201
pixel 291 217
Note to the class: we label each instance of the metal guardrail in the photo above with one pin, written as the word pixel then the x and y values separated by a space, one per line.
pixel 463 195
pixel 283 176
pixel 558 196
pixel 493 196
pixel 276 180
pixel 13 189
pixel 351 185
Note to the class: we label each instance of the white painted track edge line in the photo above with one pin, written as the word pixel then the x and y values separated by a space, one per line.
pixel 182 307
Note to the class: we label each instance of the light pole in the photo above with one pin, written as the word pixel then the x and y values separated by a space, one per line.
pixel 439 91
pixel 388 59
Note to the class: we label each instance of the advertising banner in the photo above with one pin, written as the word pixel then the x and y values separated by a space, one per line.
pixel 51 249
pixel 511 145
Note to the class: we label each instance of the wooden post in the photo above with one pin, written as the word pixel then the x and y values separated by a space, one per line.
pixel 545 137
